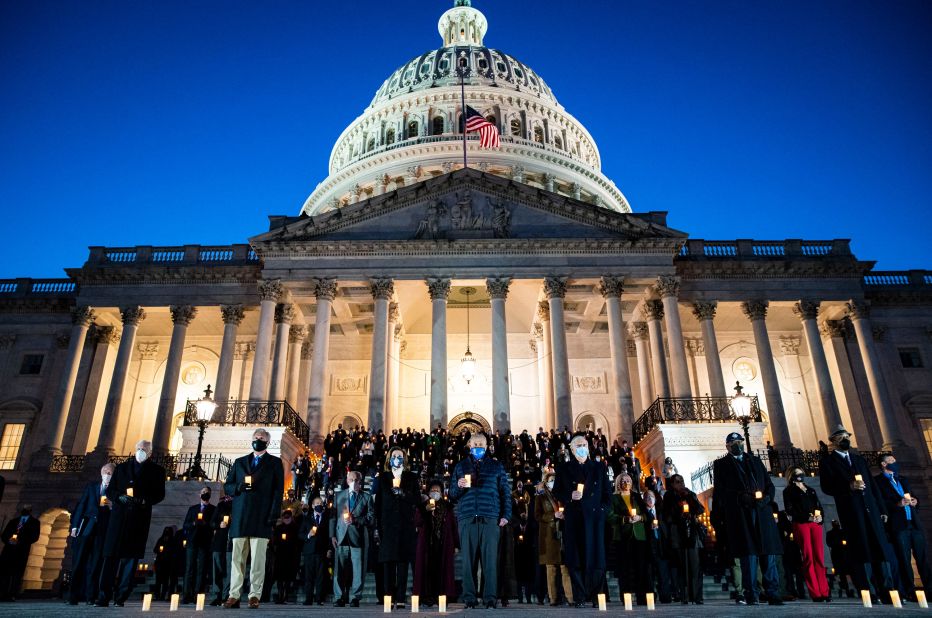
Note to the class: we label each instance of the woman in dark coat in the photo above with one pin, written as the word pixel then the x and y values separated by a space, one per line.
pixel 287 544
pixel 507 580
pixel 396 496
pixel 549 514
pixel 437 542
pixel 681 507
pixel 802 507
pixel 525 555
pixel 164 551
pixel 629 539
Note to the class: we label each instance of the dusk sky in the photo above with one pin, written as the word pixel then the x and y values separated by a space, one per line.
pixel 162 122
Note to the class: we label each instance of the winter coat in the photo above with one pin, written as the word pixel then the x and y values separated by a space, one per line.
pixel 742 517
pixel 128 528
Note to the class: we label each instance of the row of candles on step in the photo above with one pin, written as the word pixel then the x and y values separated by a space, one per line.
pixel 895 599
pixel 175 598
pixel 442 603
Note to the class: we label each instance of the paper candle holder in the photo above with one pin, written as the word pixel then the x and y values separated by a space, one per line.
pixel 146 602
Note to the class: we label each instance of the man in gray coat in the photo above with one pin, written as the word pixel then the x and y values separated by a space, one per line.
pixel 349 534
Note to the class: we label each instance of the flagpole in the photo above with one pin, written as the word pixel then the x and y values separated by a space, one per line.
pixel 462 66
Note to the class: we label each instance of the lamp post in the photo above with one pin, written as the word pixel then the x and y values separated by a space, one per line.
pixel 205 407
pixel 468 364
pixel 741 406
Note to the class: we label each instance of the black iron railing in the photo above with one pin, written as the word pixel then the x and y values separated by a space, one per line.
pixel 176 466
pixel 67 463
pixel 689 410
pixel 254 413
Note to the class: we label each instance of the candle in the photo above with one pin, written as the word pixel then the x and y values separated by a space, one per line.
pixel 844 542
pixel 758 495
pixel 602 606
pixel 634 512
pixel 226 519
pixel 14 537
pixel 907 497
pixel 146 602
pixel 346 516
pixel 468 479
pixel 129 492
pixel 433 502
pixel 415 604
pixel 248 480
pixel 200 517
pixel 200 602
pixel 184 543
pixel 284 536
pixel 866 598
pixel 895 599
pixel 656 523
pixel 685 507
pixel 442 603
pixel 649 597
pixel 103 501
pixel 921 599
pixel 387 601
pixel 174 606
pixel 858 478
pixel 560 509
pixel 818 513
pixel 313 530
pixel 520 537
pixel 161 548
pixel 776 517
pixel 628 604
pixel 580 487
pixel 396 483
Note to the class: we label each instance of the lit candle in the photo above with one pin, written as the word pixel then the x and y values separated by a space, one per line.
pixel 313 530
pixel 866 598
pixel 146 602
pixel 858 478
pixel 776 517
pixel 602 606
pixel 415 604
pixel 174 606
pixel 14 537
pixel 433 502
pixel 226 519
pixel 284 536
pixel 649 597
pixel 560 509
pixel 818 513
pixel 580 487
pixel 103 501
pixel 921 599
pixel 758 495
pixel 520 537
pixel 628 603
pixel 907 497
pixel 248 480
pixel 468 478
pixel 656 523
pixel 387 601
pixel 844 542
pixel 685 507
pixel 895 599
pixel 200 602
pixel 396 483
pixel 200 517
pixel 161 548
pixel 184 543
pixel 346 516
pixel 634 512
pixel 442 603
pixel 129 492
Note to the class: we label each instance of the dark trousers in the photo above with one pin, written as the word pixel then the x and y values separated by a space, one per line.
pixel 630 563
pixel 586 583
pixel 479 543
pixel 221 560
pixel 113 568
pixel 85 568
pixel 689 574
pixel 315 567
pixel 396 580
pixel 911 543
pixel 768 567
pixel 658 577
pixel 196 570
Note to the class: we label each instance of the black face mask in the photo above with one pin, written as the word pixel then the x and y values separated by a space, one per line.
pixel 736 449
pixel 205 496
pixel 319 508
pixel 259 445
pixel 844 444
pixel 798 478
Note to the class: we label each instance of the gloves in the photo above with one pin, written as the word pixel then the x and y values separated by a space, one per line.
pixel 124 500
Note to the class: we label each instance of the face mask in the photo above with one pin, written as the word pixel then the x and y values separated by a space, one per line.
pixel 141 455
pixel 582 452
pixel 304 510
pixel 397 462
pixel 736 449
pixel 205 496
pixel 549 484
pixel 435 495
pixel 259 445
pixel 893 468
pixel 352 486
pixel 287 519
pixel 844 444
pixel 798 478
pixel 105 478
pixel 478 452
pixel 319 508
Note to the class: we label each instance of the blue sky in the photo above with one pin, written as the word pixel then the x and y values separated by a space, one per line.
pixel 169 122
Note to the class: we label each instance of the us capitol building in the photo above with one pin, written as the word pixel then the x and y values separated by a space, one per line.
pixel 568 307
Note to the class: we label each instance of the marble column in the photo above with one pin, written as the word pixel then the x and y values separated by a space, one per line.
pixel 393 366
pixel 705 313
pixel 161 435
pixel 87 429
pixel 808 313
pixel 639 332
pixel 284 316
pixel 232 317
pixel 555 290
pixel 326 291
pixel 131 317
pixel 756 311
pixel 295 340
pixel 543 314
pixel 306 348
pixel 669 288
pixel 270 290
pixel 859 314
pixel 653 309
pixel 81 319
pixel 439 290
pixel 382 291
pixel 611 289
pixel 501 395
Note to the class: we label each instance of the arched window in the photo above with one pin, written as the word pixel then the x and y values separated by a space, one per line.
pixel 538 135
pixel 558 142
pixel 390 136
pixel 437 127
pixel 371 144
pixel 516 126
pixel 413 129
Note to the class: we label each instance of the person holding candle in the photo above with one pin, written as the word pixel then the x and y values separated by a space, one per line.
pixel 743 519
pixel 582 486
pixel 221 549
pixel 437 543
pixel 285 545
pixel 199 534
pixel 549 515
pixel 18 536
pixel 164 551
pixel 256 506
pixel 396 494
pixel 89 521
pixel 658 552
pixel 315 528
pixel 626 518
pixel 681 508
pixel 802 507
pixel 349 535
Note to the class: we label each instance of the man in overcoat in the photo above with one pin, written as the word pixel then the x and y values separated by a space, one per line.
pixel 741 513
pixel 88 532
pixel 18 536
pixel 137 485
pixel 256 481
pixel 199 535
pixel 349 534
pixel 315 531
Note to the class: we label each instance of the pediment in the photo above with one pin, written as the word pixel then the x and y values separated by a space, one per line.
pixel 468 204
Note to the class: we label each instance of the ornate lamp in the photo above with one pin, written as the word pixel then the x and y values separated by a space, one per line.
pixel 468 364
pixel 741 406
pixel 204 407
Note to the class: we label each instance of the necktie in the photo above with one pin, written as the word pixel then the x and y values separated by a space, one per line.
pixel 899 490
pixel 352 501
pixel 255 462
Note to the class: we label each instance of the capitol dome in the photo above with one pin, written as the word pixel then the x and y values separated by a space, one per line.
pixel 411 130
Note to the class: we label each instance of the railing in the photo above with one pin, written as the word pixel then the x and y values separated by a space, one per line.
pixel 254 413
pixel 67 463
pixel 22 287
pixel 702 478
pixel 183 255
pixel 764 249
pixel 885 279
pixel 176 466
pixel 689 410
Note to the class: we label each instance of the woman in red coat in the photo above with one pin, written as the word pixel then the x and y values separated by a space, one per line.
pixel 437 542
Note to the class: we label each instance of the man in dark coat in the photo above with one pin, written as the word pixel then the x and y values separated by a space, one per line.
pixel 88 531
pixel 198 533
pixel 349 536
pixel 221 549
pixel 657 549
pixel 256 482
pixel 904 525
pixel 137 485
pixel 742 514
pixel 845 476
pixel 315 531
pixel 584 519
pixel 18 536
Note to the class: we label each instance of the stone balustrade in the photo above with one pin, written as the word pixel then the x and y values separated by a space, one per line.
pixel 186 255
pixel 898 278
pixel 764 249
pixel 40 287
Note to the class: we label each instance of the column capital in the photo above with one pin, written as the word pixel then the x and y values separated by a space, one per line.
pixel 132 316
pixel 326 289
pixel 307 349
pixel 831 329
pixel 806 309
pixel 532 343
pixel 108 335
pixel 555 287
pixel 755 309
pixel 705 309
pixel 182 314
pixel 653 309
pixel 270 289
pixel 244 349
pixel 285 313
pixel 695 347
pixel 611 286
pixel 789 345
pixel 393 313
pixel 667 285
pixel 148 350
pixel 382 288
pixel 232 314
pixel 82 316
pixel 543 311
pixel 858 309
pixel 297 334
pixel 438 287
pixel 639 330
pixel 538 331
pixel 498 286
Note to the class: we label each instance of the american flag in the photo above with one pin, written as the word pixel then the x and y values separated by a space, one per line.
pixel 488 133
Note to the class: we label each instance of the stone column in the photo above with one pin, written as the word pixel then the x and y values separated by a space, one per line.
pixel 131 316
pixel 161 436
pixel 543 314
pixel 284 316
pixel 382 291
pixel 859 313
pixel 295 340
pixel 669 289
pixel 439 290
pixel 654 312
pixel 87 428
pixel 394 351
pixel 501 396
pixel 555 290
pixel 705 313
pixel 232 317
pixel 81 318
pixel 270 290
pixel 304 377
pixel 639 333
pixel 326 291
pixel 756 310
pixel 808 312
pixel 611 289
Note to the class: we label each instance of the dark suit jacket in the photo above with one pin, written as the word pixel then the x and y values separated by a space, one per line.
pixel 858 511
pixel 14 555
pixel 896 520
pixel 318 544
pixel 89 518
pixel 255 510
pixel 128 529
pixel 199 533
pixel 743 522
pixel 363 518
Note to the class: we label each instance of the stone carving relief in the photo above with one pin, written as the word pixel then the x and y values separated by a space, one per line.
pixel 744 369
pixel 193 374
pixel 464 214
pixel 148 350
pixel 244 349
pixel 589 384
pixel 789 345
pixel 349 385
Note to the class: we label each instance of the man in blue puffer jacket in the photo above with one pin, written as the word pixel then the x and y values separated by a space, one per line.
pixel 479 489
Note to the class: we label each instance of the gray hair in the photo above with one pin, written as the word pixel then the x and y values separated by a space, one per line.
pixel 262 432
pixel 145 445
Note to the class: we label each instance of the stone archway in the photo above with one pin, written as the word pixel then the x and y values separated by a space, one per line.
pixel 44 566
pixel 590 420
pixel 348 420
pixel 468 421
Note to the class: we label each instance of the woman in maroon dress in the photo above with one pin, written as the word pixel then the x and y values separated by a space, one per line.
pixel 437 542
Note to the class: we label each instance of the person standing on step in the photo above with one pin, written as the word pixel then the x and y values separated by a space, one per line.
pixel 349 535
pixel 396 494
pixel 315 532
pixel 198 534
pixel 221 549
pixel 88 530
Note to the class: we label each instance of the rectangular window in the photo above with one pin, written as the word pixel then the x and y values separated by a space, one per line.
pixel 10 442
pixel 926 425
pixel 32 365
pixel 910 358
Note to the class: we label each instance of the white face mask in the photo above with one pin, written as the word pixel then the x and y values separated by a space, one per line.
pixel 105 478
pixel 141 455
pixel 549 484
pixel 352 486
pixel 435 495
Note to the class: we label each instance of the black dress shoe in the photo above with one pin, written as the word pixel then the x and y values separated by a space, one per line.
pixel 339 603
pixel 354 603
pixel 775 601
pixel 491 604
pixel 470 605
pixel 101 603
pixel 700 602
pixel 119 603
pixel 579 605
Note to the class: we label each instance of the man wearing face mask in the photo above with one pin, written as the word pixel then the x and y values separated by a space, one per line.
pixel 315 528
pixel 256 481
pixel 137 485
pixel 222 549
pixel 198 534
pixel 349 536
pixel 583 488
pixel 845 476
pixel 479 489
pixel 88 530
pixel 18 536
pixel 742 515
